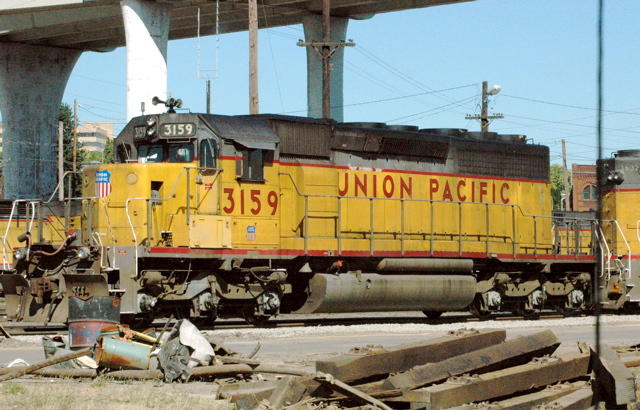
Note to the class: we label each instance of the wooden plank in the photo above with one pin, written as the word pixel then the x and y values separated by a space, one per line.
pixel 579 399
pixel 531 400
pixel 513 352
pixel 371 363
pixel 228 390
pixel 468 389
pixel 287 392
pixel 616 380
pixel 354 394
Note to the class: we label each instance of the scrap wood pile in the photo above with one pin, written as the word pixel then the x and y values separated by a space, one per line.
pixel 466 369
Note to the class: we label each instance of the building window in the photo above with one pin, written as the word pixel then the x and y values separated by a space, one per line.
pixel 589 193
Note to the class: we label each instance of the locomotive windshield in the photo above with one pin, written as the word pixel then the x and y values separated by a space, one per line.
pixel 180 152
pixel 150 153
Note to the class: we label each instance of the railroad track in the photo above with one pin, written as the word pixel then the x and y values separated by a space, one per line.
pixel 35 329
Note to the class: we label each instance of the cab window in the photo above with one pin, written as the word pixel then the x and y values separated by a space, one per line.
pixel 123 152
pixel 251 168
pixel 182 152
pixel 150 153
pixel 207 153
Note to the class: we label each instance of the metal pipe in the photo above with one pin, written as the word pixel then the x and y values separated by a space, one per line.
pixel 425 265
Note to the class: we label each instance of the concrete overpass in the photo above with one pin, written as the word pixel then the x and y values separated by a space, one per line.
pixel 41 40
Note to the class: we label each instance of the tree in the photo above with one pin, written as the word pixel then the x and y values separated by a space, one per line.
pixel 107 157
pixel 557 186
pixel 67 118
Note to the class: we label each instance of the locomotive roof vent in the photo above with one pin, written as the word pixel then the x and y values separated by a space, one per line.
pixel 492 136
pixel 379 125
pixel 412 128
pixel 628 153
pixel 449 132
pixel 512 138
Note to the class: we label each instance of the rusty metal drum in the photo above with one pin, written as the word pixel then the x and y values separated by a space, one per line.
pixel 88 317
pixel 122 355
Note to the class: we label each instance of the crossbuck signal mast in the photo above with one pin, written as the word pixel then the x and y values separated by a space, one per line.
pixel 484 117
pixel 209 73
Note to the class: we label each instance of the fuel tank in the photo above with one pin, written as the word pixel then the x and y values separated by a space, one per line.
pixel 370 292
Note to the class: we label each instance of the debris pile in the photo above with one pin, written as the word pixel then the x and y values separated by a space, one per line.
pixel 181 354
pixel 465 369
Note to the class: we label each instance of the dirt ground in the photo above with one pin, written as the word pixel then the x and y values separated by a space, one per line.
pixel 57 393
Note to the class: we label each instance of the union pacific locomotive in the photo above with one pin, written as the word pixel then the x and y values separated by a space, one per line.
pixel 207 216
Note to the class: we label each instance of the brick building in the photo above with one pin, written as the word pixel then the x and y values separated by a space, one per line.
pixel 583 180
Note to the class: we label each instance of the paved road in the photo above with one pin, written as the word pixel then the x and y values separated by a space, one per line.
pixel 338 339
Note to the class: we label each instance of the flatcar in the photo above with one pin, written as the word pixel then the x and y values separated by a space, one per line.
pixel 207 216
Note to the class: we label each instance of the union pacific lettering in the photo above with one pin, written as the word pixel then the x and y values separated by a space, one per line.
pixel 378 185
pixel 374 185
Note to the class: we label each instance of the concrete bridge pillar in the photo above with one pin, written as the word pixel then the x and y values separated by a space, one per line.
pixel 147 32
pixel 313 32
pixel 32 82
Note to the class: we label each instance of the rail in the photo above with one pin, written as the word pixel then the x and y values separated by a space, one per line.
pixel 536 243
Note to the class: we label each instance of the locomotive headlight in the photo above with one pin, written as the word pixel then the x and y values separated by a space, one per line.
pixel 19 254
pixel 151 124
pixel 615 177
pixel 84 253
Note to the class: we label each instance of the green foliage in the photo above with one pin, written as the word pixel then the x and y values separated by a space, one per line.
pixel 108 152
pixel 13 388
pixel 104 157
pixel 98 383
pixel 557 186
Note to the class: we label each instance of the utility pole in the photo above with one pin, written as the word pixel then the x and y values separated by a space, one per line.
pixel 484 116
pixel 326 59
pixel 208 96
pixel 254 107
pixel 60 160
pixel 565 175
pixel 75 136
pixel 326 48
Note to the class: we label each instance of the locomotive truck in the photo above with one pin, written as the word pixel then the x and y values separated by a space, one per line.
pixel 205 216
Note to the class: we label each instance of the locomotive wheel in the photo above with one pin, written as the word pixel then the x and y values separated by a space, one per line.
pixel 478 309
pixel 253 319
pixel 525 313
pixel 432 314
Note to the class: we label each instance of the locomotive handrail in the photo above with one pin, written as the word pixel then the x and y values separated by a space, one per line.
pixel 628 248
pixel 188 210
pixel 460 204
pixel 113 239
pixel 609 254
pixel 604 247
pixel 133 230
pixel 59 185
pixel 5 255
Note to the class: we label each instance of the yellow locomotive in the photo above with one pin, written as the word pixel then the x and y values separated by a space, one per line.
pixel 207 216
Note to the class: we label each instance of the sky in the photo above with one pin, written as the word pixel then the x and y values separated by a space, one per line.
pixel 423 67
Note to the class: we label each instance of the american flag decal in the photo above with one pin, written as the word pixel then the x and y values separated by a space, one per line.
pixel 103 184
pixel 251 233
